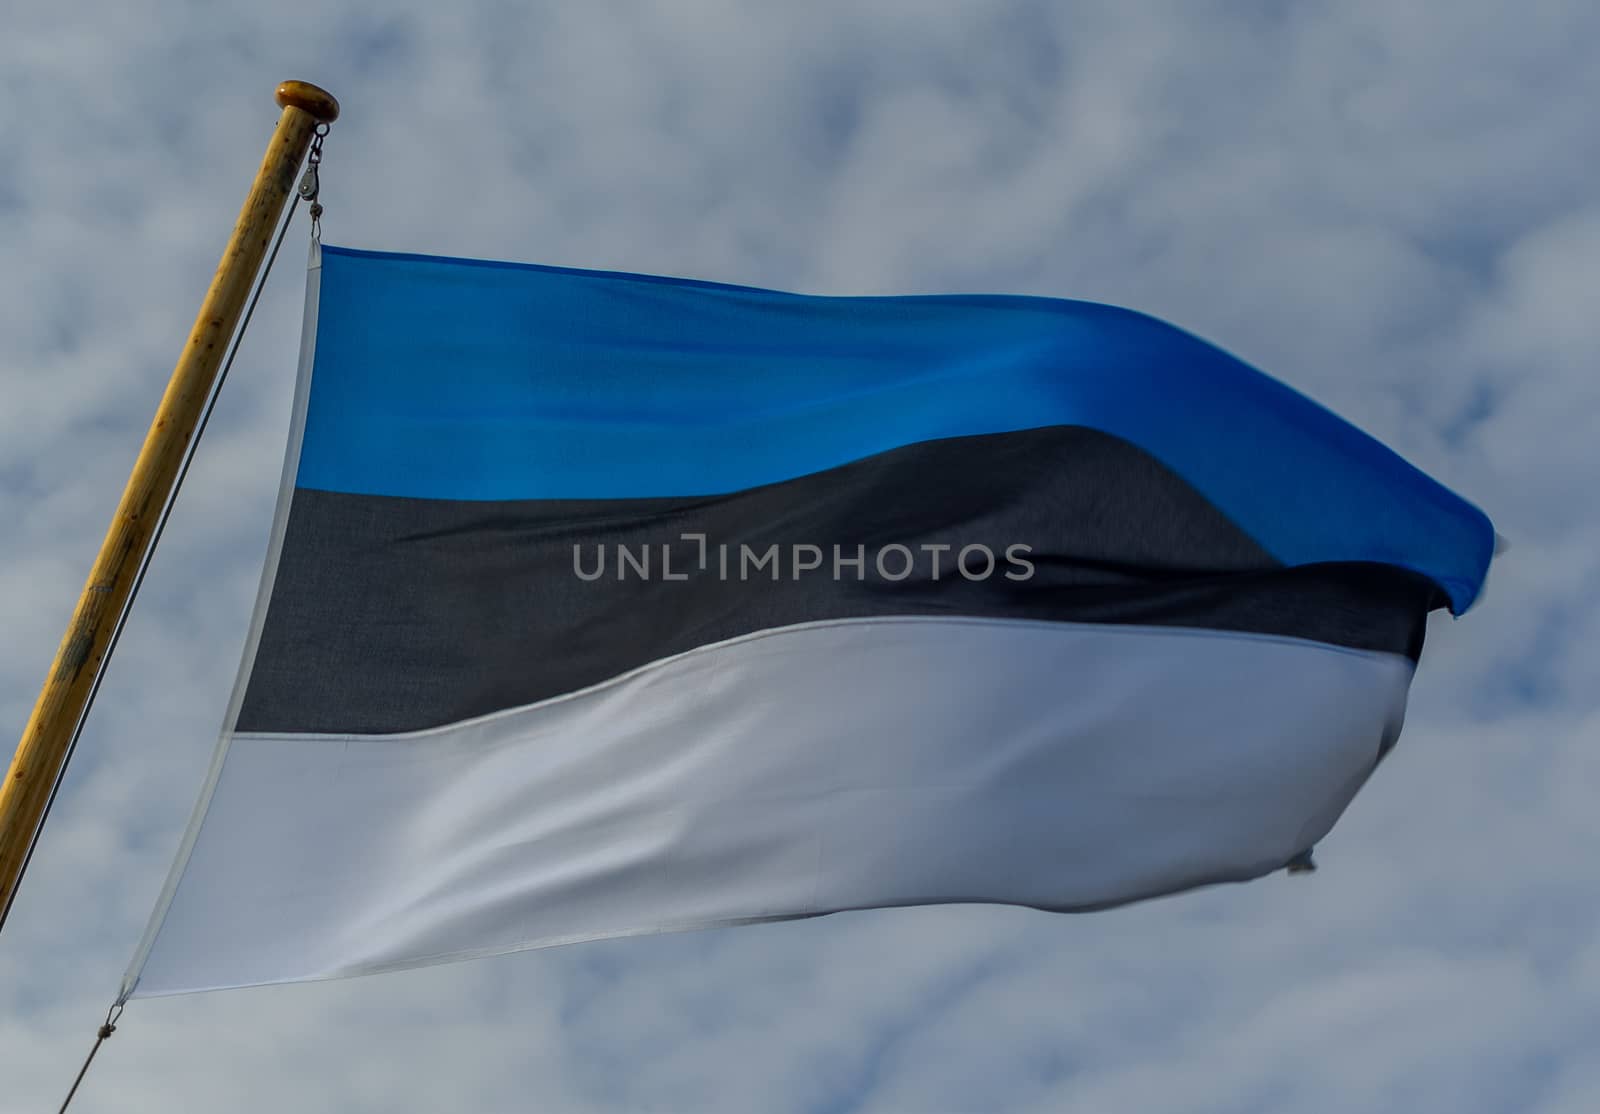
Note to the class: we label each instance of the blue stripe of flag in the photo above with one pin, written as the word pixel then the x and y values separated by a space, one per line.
pixel 460 379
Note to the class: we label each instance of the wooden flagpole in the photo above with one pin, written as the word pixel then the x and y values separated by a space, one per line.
pixel 42 751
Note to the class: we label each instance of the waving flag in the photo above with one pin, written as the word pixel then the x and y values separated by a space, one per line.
pixel 602 604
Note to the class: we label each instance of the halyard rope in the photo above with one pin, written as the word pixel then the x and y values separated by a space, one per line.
pixel 109 1026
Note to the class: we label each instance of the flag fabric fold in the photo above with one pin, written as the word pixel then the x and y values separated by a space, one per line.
pixel 602 604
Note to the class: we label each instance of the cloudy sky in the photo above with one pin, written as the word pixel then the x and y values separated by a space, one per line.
pixel 1391 206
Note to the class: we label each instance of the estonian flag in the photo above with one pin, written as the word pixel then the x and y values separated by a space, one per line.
pixel 601 604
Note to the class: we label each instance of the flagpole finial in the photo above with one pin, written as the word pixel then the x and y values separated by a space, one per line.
pixel 308 97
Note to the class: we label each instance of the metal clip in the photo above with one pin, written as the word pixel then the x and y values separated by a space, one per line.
pixel 309 184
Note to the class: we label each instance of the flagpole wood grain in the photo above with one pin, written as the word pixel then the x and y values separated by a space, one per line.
pixel 42 750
